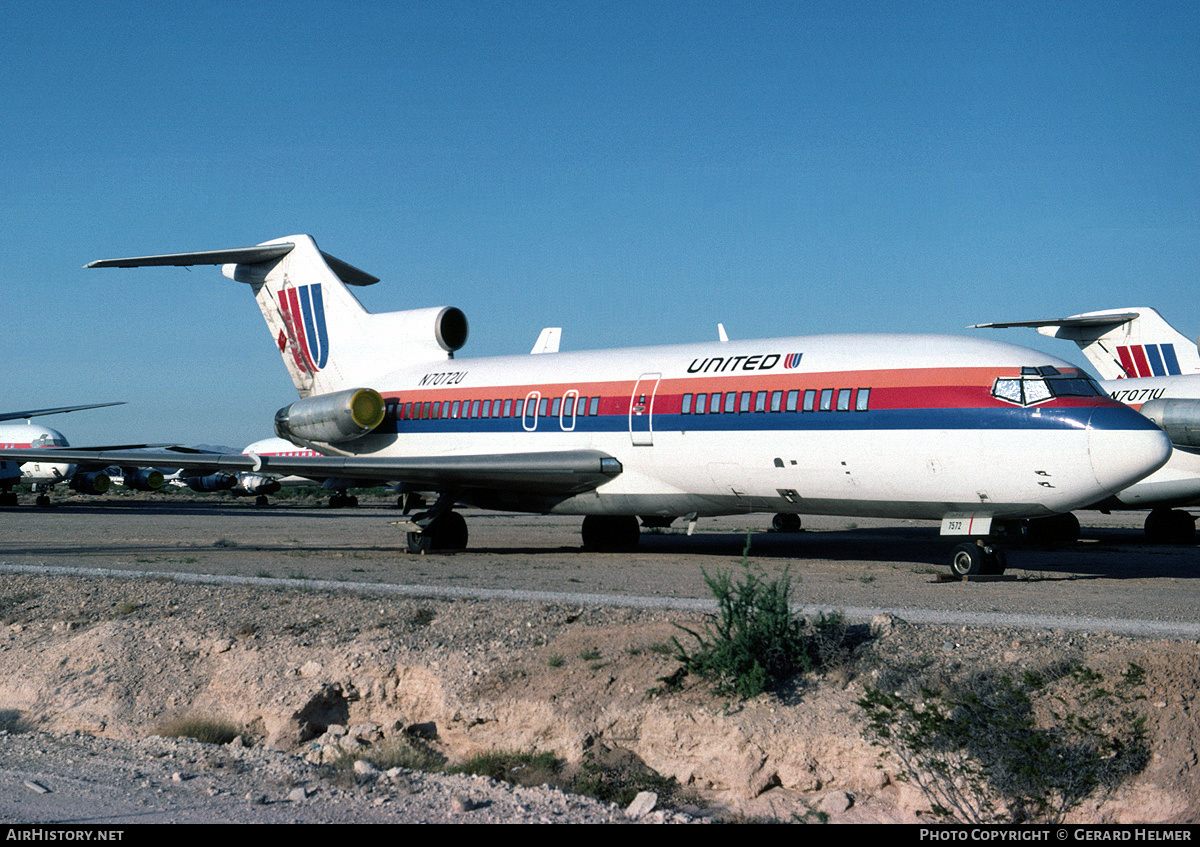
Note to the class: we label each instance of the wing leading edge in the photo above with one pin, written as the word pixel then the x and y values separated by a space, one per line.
pixel 562 472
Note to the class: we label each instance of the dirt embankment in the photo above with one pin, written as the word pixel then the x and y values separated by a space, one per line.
pixel 300 671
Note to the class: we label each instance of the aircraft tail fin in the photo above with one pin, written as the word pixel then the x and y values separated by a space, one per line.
pixel 1123 343
pixel 328 341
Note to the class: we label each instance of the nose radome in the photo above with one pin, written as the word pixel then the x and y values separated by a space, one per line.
pixel 1121 457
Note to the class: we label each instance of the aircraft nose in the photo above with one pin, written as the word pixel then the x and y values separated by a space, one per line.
pixel 1127 450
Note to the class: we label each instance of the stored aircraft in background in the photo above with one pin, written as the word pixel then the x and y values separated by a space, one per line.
pixel 965 431
pixel 261 485
pixel 44 475
pixel 1146 363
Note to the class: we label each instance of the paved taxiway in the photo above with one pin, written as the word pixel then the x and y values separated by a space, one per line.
pixel 835 562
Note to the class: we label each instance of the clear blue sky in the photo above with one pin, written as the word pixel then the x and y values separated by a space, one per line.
pixel 632 171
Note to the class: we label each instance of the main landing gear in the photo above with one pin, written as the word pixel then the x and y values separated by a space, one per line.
pixel 448 531
pixel 342 500
pixel 977 558
pixel 437 530
pixel 611 533
pixel 1170 526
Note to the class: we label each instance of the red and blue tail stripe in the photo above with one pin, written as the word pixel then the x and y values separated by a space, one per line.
pixel 1141 360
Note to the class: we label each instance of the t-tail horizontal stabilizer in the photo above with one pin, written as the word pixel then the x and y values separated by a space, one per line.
pixel 327 340
pixel 1121 343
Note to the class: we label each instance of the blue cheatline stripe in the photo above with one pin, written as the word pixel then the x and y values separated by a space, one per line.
pixel 1172 363
pixel 1156 363
pixel 1033 418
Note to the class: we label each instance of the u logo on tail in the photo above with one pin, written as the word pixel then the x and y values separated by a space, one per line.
pixel 304 316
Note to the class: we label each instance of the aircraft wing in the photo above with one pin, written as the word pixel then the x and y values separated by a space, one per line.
pixel 33 413
pixel 558 472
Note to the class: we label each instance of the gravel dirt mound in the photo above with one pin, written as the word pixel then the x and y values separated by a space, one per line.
pixel 311 680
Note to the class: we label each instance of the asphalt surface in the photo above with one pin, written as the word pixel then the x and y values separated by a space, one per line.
pixel 1112 579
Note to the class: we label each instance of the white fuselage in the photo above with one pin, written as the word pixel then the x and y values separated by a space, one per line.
pixel 896 426
pixel 31 435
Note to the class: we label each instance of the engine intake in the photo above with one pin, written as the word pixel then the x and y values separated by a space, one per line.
pixel 1179 419
pixel 143 479
pixel 331 418
pixel 95 482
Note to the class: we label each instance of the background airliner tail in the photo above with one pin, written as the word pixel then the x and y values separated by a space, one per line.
pixel 1123 343
pixel 328 341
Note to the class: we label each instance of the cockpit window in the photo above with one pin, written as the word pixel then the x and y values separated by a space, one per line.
pixel 1037 385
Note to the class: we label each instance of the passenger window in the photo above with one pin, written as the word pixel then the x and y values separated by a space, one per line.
pixel 810 400
pixel 595 407
pixel 862 400
pixel 730 402
pixel 760 401
pixel 844 400
pixel 686 407
pixel 408 411
pixel 826 399
pixel 793 398
pixel 776 401
pixel 542 404
pixel 701 400
pixel 454 409
pixel 555 407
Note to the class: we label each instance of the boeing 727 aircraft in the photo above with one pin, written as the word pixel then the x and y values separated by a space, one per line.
pixel 959 430
pixel 1146 363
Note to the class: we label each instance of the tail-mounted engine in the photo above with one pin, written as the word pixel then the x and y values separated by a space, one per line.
pixel 331 418
pixel 1179 419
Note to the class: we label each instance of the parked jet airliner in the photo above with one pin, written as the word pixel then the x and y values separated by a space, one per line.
pixel 959 430
pixel 260 485
pixel 44 475
pixel 1146 363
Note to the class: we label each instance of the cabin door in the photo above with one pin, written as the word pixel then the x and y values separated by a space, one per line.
pixel 641 409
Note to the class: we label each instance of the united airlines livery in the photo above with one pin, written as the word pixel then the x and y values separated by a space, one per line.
pixel 965 431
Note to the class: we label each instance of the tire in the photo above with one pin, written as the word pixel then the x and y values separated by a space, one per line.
pixel 967 560
pixel 1170 526
pixel 784 522
pixel 611 533
pixel 1059 529
pixel 448 532
pixel 419 542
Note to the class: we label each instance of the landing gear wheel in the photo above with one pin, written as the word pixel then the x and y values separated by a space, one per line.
pixel 1058 529
pixel 43 500
pixel 1170 526
pixel 261 500
pixel 783 522
pixel 447 532
pixel 611 533
pixel 976 559
pixel 8 499
pixel 967 560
